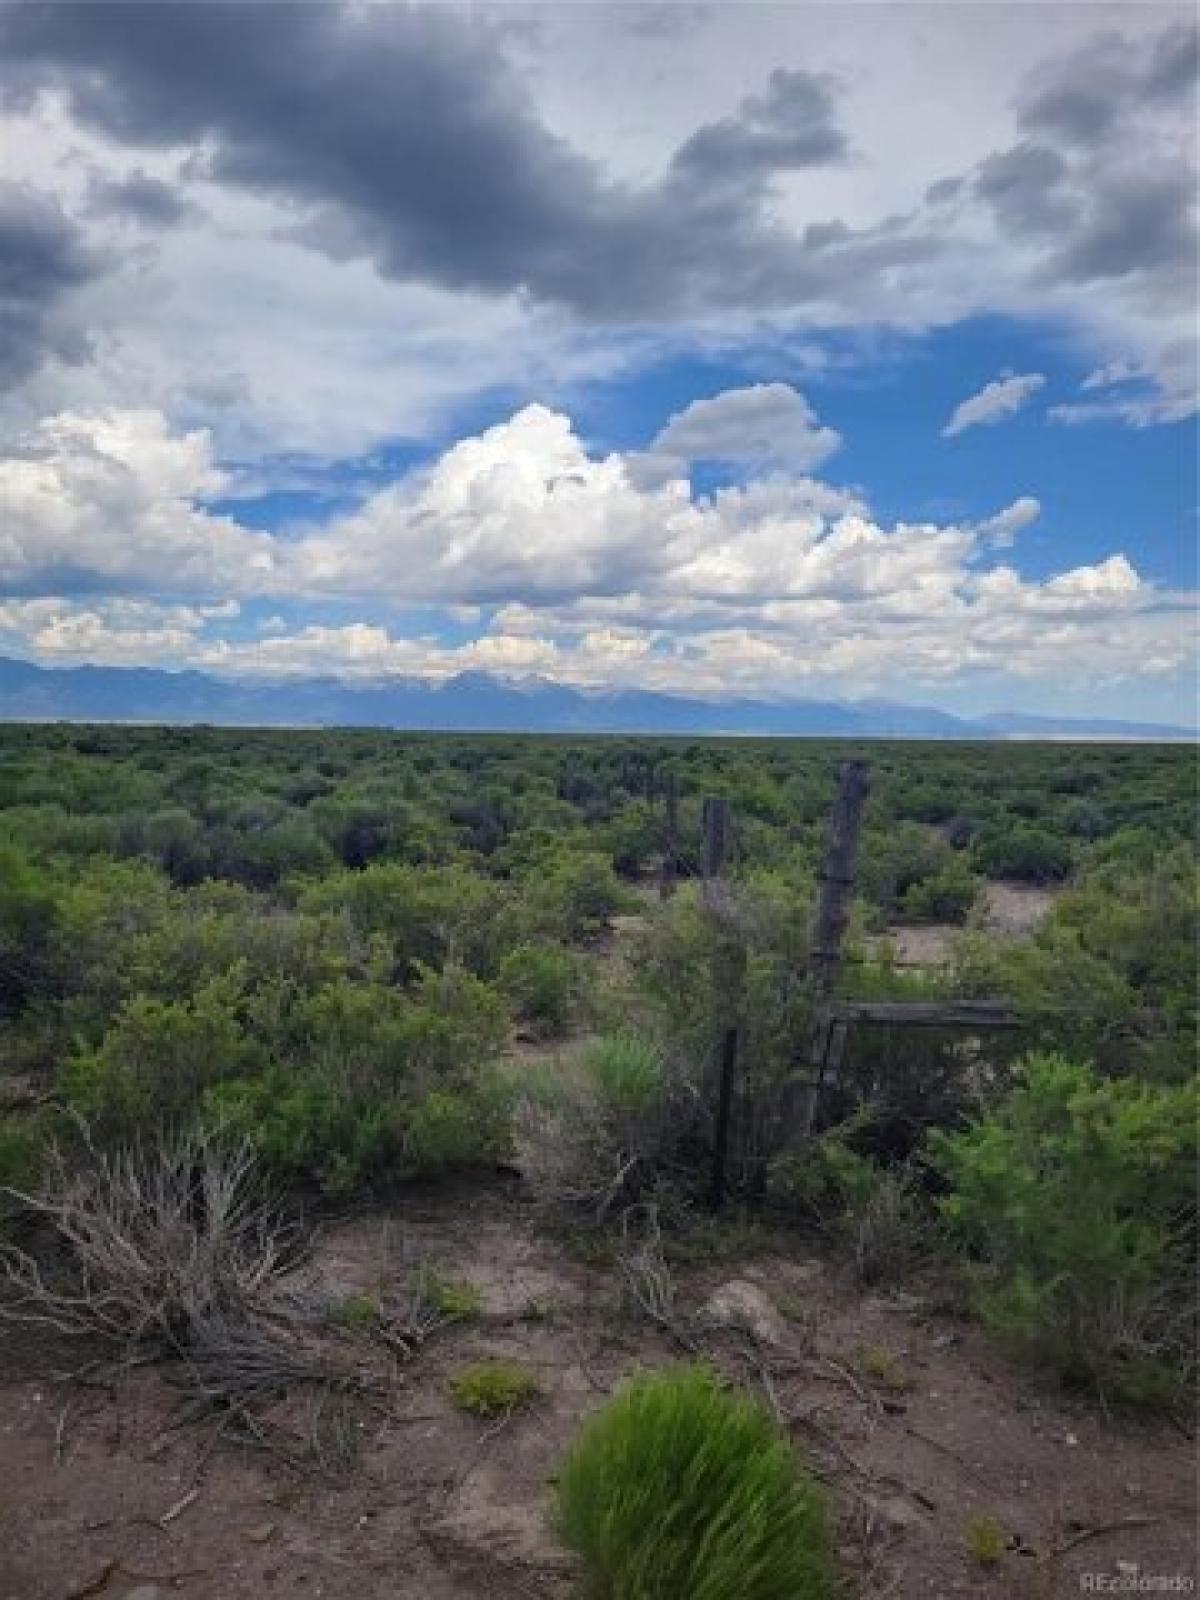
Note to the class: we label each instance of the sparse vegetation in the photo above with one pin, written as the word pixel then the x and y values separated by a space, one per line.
pixel 358 1313
pixel 882 1367
pixel 492 1389
pixel 453 1298
pixel 677 1487
pixel 985 1540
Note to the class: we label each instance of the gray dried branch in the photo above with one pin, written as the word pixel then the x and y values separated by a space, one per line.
pixel 149 1244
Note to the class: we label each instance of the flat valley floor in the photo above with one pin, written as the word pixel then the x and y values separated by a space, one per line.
pixel 112 1488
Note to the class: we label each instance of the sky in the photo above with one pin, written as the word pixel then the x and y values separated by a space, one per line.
pixel 832 351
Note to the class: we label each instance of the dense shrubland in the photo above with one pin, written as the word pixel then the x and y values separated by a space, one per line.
pixel 324 945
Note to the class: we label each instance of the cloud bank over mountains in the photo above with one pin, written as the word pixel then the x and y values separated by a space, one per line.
pixel 565 563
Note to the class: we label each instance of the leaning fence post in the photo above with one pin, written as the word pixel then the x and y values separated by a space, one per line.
pixel 833 913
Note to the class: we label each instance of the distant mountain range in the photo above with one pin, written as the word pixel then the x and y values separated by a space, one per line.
pixel 477 702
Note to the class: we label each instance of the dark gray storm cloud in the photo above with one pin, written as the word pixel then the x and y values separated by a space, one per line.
pixel 1136 222
pixel 43 257
pixel 1099 201
pixel 403 135
pixel 1028 189
pixel 1086 96
pixel 793 125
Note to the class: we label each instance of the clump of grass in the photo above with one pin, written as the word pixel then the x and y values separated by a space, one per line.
pixel 678 1487
pixel 882 1367
pixel 358 1313
pixel 492 1388
pixel 985 1540
pixel 627 1071
pixel 457 1299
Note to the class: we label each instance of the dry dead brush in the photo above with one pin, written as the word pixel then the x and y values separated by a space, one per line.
pixel 174 1252
pixel 149 1246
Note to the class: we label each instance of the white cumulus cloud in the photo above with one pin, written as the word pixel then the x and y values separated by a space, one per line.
pixel 995 402
pixel 551 561
pixel 766 424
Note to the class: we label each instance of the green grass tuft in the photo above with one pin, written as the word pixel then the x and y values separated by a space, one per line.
pixel 678 1488
pixel 627 1071
pixel 456 1298
pixel 357 1313
pixel 881 1366
pixel 985 1540
pixel 492 1388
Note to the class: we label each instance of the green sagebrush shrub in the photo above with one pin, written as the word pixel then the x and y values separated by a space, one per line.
pixel 677 1489
pixel 27 911
pixel 351 1084
pixel 541 982
pixel 947 895
pixel 1075 1197
pixel 419 915
pixel 1110 975
pixel 379 1087
pixel 1017 850
pixel 158 1058
pixel 578 895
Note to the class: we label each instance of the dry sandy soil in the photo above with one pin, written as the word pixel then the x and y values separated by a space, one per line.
pixel 105 1492
pixel 1008 910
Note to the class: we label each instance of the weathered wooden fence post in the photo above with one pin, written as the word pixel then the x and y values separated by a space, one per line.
pixel 833 913
pixel 716 836
pixel 720 1163
pixel 670 860
pixel 716 845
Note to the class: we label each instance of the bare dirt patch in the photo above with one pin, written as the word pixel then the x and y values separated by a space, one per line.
pixel 1016 909
pixel 910 1415
pixel 1008 911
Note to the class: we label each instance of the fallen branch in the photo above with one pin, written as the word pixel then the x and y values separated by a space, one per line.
pixel 1097 1532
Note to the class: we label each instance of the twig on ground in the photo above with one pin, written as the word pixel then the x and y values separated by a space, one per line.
pixel 1097 1532
pixel 178 1508
pixel 871 1401
pixel 94 1585
pixel 801 1419
pixel 946 1450
pixel 646 1277
pixel 59 1432
pixel 481 1444
pixel 584 1367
